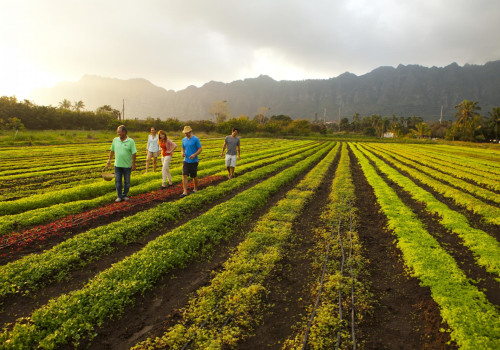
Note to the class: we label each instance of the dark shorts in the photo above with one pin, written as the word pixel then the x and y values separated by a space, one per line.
pixel 190 169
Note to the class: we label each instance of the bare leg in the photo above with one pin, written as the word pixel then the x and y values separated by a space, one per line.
pixel 154 164
pixel 195 182
pixel 184 183
pixel 148 159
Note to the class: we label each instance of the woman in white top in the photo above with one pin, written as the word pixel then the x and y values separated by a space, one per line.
pixel 153 150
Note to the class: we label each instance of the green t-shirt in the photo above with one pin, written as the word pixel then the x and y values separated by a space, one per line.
pixel 123 152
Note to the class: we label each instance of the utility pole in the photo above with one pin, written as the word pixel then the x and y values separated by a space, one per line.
pixel 123 109
pixel 441 119
pixel 324 116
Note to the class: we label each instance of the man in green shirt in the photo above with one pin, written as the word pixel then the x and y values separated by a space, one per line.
pixel 123 148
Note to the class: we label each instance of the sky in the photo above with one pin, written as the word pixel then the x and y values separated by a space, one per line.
pixel 178 43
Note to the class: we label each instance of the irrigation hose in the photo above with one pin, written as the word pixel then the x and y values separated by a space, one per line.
pixel 353 331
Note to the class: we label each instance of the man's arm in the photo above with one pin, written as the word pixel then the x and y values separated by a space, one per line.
pixel 238 148
pixel 198 151
pixel 223 149
pixel 133 161
pixel 111 154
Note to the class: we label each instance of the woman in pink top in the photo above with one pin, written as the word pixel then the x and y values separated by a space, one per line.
pixel 167 149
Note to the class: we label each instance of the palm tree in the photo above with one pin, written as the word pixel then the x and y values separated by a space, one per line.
pixel 466 112
pixel 421 130
pixel 495 120
pixel 396 129
pixel 65 104
pixel 380 127
pixel 78 105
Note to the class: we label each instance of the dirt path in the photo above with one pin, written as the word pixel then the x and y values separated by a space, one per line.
pixel 404 316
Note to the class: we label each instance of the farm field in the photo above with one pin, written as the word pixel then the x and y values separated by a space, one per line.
pixel 312 245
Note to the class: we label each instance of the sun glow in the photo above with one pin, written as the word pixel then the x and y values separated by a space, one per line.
pixel 19 77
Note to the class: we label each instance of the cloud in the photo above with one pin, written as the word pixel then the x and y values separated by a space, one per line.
pixel 175 43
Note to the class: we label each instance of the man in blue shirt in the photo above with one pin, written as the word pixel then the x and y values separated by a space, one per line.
pixel 191 147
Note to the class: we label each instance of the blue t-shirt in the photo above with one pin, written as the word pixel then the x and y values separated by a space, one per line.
pixel 190 146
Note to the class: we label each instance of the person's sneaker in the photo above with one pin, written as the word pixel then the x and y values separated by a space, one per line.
pixel 183 195
pixel 117 200
pixel 126 198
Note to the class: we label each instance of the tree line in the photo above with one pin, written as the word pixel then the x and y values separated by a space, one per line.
pixel 469 125
pixel 17 115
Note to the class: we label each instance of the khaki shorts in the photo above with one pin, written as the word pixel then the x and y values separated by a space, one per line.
pixel 153 154
pixel 231 160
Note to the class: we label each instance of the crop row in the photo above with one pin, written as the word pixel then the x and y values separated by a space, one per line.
pixel 228 309
pixel 102 194
pixel 485 248
pixel 77 168
pixel 456 170
pixel 489 213
pixel 21 189
pixel 341 296
pixel 85 192
pixel 488 153
pixel 474 322
pixel 475 161
pixel 30 186
pixel 21 159
pixel 37 180
pixel 46 214
pixel 72 316
pixel 12 243
pixel 474 165
pixel 53 165
pixel 28 273
pixel 450 180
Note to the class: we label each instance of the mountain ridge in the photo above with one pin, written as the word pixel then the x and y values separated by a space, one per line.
pixel 404 90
